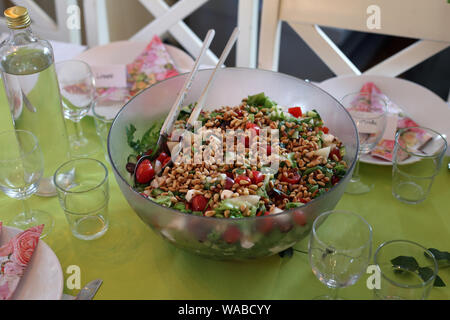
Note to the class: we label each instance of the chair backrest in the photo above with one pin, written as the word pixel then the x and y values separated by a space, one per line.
pixel 428 21
pixel 170 19
pixel 64 27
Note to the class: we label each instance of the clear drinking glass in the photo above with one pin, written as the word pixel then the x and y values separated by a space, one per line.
pixel 407 269
pixel 368 110
pixel 83 193
pixel 340 247
pixel 104 111
pixel 21 170
pixel 77 86
pixel 414 168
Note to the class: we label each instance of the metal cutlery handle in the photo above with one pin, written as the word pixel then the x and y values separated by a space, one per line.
pixel 201 101
pixel 175 110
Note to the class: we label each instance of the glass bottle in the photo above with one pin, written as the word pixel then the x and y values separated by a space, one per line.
pixel 31 86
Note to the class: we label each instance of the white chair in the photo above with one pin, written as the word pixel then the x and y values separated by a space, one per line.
pixel 48 27
pixel 428 21
pixel 171 19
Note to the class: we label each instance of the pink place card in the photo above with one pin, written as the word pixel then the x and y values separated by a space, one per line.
pixel 14 259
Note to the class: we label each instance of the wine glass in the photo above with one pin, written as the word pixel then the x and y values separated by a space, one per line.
pixel 21 169
pixel 369 111
pixel 77 86
pixel 340 247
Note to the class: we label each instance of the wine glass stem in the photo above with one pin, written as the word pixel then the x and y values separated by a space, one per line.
pixel 78 130
pixel 26 209
pixel 356 171
pixel 334 293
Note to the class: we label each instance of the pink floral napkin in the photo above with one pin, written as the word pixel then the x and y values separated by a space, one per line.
pixel 414 137
pixel 14 258
pixel 151 66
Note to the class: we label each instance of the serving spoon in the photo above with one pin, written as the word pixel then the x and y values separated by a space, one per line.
pixel 196 111
pixel 201 101
pixel 161 145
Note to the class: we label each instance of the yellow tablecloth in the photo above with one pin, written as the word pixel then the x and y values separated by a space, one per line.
pixel 135 263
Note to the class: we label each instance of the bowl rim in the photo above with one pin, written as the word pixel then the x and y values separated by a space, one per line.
pixel 290 211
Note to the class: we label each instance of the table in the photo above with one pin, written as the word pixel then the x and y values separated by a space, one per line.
pixel 135 263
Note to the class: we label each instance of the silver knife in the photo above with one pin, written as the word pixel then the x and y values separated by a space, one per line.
pixel 88 291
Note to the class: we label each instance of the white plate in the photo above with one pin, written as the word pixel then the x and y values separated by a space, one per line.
pixel 422 105
pixel 43 279
pixel 124 52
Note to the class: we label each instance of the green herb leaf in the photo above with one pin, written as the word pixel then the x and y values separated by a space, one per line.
pixel 438 255
pixel 291 205
pixel 405 263
pixel 438 282
pixel 426 273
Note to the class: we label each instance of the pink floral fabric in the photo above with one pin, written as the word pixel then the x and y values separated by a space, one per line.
pixel 153 65
pixel 14 258
pixel 385 148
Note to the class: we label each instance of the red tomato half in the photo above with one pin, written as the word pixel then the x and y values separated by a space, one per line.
pixel 299 218
pixel 199 203
pixel 253 126
pixel 232 234
pixel 292 178
pixel 257 177
pixel 145 172
pixel 337 152
pixel 296 111
pixel 163 158
pixel 242 177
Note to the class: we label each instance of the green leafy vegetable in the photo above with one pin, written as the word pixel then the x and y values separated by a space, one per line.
pixel 148 141
pixel 405 263
pixel 438 255
pixel 291 205
pixel 164 200
pixel 260 100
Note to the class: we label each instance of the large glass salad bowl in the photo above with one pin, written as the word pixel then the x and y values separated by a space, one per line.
pixel 242 238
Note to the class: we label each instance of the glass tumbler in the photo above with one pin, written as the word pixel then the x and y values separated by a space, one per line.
pixel 83 193
pixel 340 247
pixel 407 270
pixel 418 155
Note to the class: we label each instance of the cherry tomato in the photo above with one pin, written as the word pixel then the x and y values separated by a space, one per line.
pixel 296 111
pixel 325 130
pixel 228 183
pixel 163 158
pixel 145 172
pixel 199 203
pixel 242 178
pixel 292 178
pixel 232 234
pixel 253 126
pixel 337 152
pixel 264 225
pixel 299 218
pixel 257 177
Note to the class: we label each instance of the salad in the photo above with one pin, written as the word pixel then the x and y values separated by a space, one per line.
pixel 310 163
